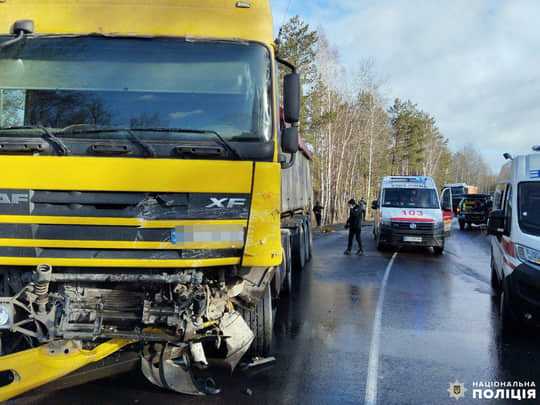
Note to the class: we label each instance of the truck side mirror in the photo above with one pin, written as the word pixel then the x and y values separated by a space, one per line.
pixel 495 224
pixel 289 140
pixel 375 204
pixel 291 97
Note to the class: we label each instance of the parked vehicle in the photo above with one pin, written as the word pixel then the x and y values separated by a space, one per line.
pixel 459 191
pixel 409 213
pixel 151 199
pixel 473 210
pixel 515 244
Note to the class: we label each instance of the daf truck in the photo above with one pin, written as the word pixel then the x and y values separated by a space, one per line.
pixel 151 199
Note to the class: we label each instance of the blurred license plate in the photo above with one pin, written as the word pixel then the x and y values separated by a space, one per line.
pixel 412 239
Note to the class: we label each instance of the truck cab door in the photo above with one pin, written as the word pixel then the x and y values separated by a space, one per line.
pixel 447 210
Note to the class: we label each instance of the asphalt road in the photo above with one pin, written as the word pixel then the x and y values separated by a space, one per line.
pixel 337 342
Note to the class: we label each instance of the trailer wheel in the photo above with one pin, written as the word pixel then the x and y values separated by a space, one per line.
pixel 310 238
pixel 307 252
pixel 286 266
pixel 298 247
pixel 260 321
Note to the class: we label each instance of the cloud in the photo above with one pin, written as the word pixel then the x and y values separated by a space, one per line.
pixel 475 66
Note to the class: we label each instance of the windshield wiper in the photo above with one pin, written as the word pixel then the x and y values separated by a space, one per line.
pixel 45 134
pixel 150 152
pixel 223 141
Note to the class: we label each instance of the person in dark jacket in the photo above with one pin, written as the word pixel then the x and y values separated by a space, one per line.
pixel 354 224
pixel 317 210
pixel 362 203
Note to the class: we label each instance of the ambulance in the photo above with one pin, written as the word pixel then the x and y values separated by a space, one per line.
pixel 514 225
pixel 410 213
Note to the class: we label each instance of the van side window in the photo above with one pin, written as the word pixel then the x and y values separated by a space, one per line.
pixel 508 209
pixel 498 197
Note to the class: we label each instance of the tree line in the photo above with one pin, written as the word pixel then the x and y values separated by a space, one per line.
pixel 357 136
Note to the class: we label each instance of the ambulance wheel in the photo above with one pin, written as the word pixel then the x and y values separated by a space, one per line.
pixel 494 277
pixel 380 246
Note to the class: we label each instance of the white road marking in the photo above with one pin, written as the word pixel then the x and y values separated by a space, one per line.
pixel 373 363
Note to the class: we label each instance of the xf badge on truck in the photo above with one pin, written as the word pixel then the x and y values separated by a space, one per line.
pixel 226 202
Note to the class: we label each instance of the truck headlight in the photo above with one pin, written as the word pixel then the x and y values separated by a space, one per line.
pixel 386 222
pixel 438 225
pixel 6 316
pixel 527 255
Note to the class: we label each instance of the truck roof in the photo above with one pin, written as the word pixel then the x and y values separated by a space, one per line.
pixel 408 182
pixel 228 19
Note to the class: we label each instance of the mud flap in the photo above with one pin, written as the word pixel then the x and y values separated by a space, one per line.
pixel 32 368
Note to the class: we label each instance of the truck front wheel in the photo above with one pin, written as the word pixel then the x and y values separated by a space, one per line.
pixel 260 321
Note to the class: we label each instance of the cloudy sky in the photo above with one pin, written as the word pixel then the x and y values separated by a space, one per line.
pixel 472 64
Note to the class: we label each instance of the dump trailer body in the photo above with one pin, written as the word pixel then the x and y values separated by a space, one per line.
pixel 296 186
pixel 141 195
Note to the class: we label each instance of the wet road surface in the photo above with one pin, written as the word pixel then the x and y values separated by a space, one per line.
pixel 335 342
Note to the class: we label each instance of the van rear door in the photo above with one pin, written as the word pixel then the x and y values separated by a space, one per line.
pixel 448 212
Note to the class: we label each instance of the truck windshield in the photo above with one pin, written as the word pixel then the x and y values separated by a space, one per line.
pixel 460 190
pixel 410 197
pixel 62 81
pixel 529 207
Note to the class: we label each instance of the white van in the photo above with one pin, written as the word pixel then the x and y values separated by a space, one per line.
pixel 409 212
pixel 515 244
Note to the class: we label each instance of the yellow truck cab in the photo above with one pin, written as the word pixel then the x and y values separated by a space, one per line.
pixel 142 158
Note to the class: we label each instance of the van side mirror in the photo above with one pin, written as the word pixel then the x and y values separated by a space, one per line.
pixel 289 140
pixel 495 224
pixel 291 97
pixel 375 204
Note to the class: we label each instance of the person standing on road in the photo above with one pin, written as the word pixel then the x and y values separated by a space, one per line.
pixel 363 206
pixel 354 224
pixel 317 210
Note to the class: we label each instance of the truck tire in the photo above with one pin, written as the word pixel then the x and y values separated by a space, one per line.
pixel 260 321
pixel 307 253
pixel 286 265
pixel 310 237
pixel 297 248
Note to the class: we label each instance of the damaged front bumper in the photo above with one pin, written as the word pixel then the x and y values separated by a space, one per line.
pixel 182 321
